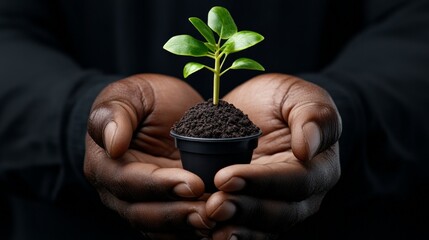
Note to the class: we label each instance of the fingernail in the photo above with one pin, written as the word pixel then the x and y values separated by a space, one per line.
pixel 197 221
pixel 224 212
pixel 109 135
pixel 233 184
pixel 183 190
pixel 204 234
pixel 233 237
pixel 312 136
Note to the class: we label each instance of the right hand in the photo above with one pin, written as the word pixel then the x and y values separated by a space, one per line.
pixel 132 162
pixel 295 164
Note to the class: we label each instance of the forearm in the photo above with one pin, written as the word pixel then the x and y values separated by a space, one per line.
pixel 379 83
pixel 45 100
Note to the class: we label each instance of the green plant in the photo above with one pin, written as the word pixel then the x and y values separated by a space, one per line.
pixel 229 40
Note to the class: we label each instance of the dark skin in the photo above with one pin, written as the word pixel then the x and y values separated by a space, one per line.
pixel 131 159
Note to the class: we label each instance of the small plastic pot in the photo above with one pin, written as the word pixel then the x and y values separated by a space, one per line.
pixel 206 156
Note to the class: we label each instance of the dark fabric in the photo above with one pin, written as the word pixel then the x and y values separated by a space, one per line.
pixel 371 55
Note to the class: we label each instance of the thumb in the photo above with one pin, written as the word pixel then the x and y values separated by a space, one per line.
pixel 111 125
pixel 314 128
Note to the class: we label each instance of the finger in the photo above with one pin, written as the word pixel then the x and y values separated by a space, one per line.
pixel 281 176
pixel 263 215
pixel 236 232
pixel 183 235
pixel 131 180
pixel 278 180
pixel 315 125
pixel 111 125
pixel 139 176
pixel 291 180
pixel 116 113
pixel 161 217
pixel 145 101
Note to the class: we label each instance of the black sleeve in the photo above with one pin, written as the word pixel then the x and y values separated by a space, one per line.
pixel 45 99
pixel 380 83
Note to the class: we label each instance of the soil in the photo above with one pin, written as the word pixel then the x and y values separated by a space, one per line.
pixel 206 120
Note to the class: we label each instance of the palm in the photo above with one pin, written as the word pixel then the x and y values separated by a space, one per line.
pixel 266 102
pixel 144 107
pixel 274 145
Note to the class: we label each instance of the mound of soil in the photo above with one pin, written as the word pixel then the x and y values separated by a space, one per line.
pixel 223 120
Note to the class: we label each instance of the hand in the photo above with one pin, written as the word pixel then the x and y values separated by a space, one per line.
pixel 295 164
pixel 131 159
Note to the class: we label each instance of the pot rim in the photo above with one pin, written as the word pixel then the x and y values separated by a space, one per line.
pixel 199 139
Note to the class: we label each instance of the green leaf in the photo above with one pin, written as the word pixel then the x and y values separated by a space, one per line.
pixel 186 45
pixel 247 63
pixel 191 67
pixel 221 22
pixel 211 47
pixel 203 29
pixel 241 40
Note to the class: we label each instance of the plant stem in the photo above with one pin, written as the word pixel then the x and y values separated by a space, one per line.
pixel 216 79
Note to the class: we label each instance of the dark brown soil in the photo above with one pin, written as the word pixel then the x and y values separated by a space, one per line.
pixel 223 120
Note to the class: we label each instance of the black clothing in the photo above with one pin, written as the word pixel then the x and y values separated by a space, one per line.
pixel 371 55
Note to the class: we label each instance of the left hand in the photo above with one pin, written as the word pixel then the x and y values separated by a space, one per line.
pixel 295 164
pixel 131 160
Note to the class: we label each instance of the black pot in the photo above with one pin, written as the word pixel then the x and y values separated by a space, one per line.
pixel 206 156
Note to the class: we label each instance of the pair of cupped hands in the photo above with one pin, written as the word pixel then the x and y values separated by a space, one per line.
pixel 132 162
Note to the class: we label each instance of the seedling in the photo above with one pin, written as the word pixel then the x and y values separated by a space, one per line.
pixel 229 40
